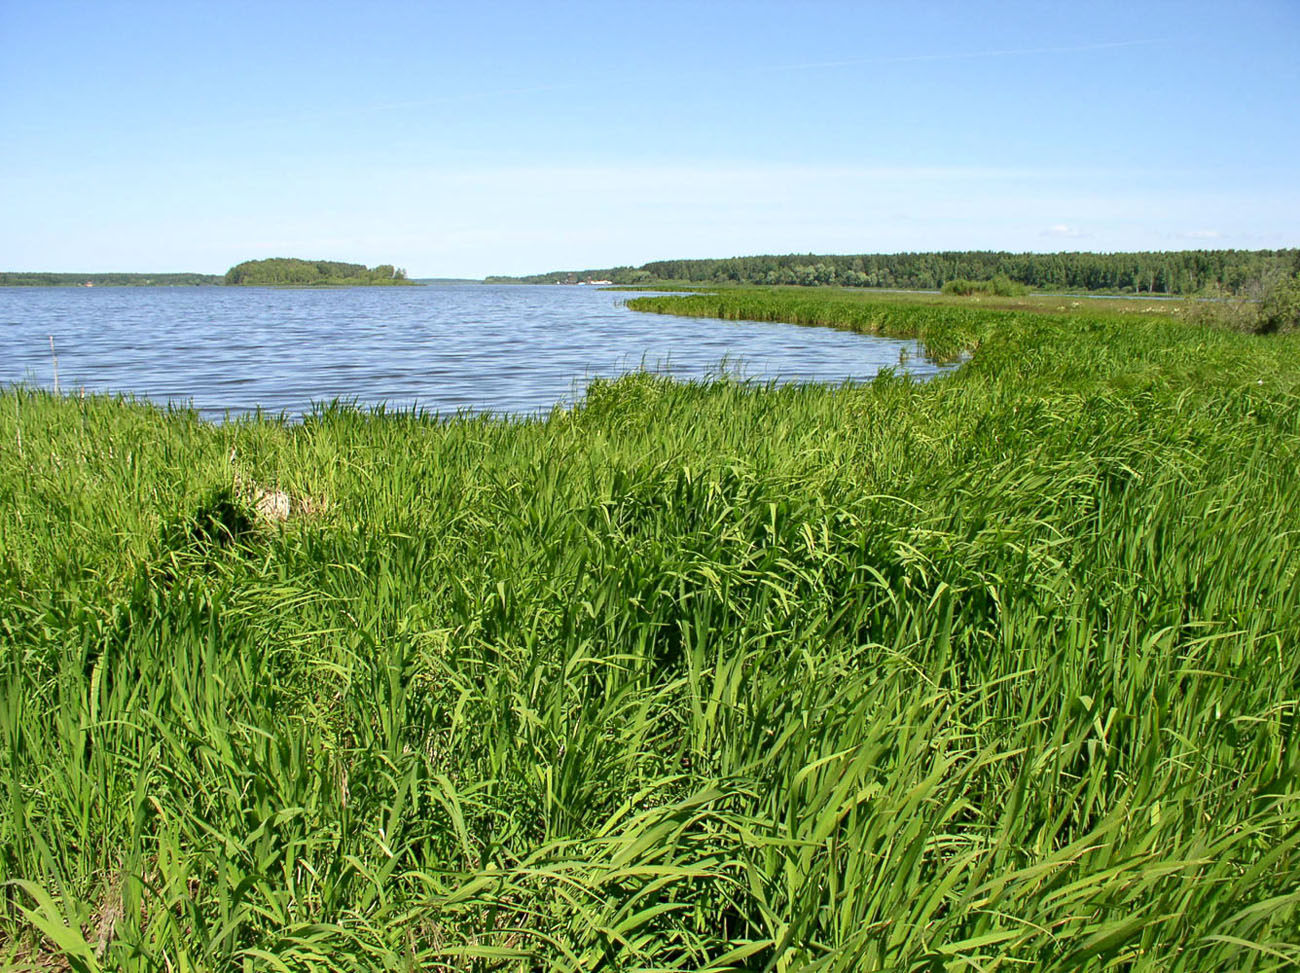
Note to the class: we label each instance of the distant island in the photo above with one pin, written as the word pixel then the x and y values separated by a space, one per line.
pixel 275 271
pixel 1148 272
pixel 294 272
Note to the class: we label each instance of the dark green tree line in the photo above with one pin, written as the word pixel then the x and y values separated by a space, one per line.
pixel 43 279
pixel 1149 272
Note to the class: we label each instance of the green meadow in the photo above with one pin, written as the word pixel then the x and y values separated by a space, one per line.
pixel 994 672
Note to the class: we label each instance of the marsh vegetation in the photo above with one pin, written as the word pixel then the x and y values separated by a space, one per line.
pixel 995 671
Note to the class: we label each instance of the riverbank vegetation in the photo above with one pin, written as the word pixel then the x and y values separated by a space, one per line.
pixel 991 672
pixel 1207 272
pixel 1275 310
pixel 312 273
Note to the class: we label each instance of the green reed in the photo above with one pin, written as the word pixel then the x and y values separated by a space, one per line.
pixel 993 672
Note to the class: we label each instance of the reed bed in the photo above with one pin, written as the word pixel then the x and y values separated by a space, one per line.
pixel 998 671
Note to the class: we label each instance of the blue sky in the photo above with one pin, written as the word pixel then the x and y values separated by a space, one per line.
pixel 468 139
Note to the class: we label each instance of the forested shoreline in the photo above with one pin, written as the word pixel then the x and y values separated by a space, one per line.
pixel 17 278
pixel 274 271
pixel 1147 272
pixel 1184 272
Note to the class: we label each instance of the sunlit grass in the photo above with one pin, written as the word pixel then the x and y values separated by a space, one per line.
pixel 994 672
pixel 1040 303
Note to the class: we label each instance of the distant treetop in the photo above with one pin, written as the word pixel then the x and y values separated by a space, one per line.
pixel 307 273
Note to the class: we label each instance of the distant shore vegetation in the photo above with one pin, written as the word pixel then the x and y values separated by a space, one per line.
pixel 282 271
pixel 42 279
pixel 310 273
pixel 1184 272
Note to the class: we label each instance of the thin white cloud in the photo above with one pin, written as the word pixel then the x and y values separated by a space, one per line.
pixel 1063 231
pixel 1202 235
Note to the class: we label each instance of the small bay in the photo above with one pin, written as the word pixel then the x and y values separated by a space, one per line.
pixel 503 349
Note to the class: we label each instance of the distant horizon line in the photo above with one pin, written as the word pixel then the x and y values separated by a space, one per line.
pixel 747 256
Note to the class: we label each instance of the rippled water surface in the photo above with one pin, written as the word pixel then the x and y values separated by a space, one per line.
pixel 505 349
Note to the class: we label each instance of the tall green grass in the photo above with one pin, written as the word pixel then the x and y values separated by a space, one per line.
pixel 994 672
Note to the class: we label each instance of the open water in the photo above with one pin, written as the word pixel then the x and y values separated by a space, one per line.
pixel 505 349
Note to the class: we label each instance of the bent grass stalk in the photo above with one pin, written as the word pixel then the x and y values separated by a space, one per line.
pixel 994 671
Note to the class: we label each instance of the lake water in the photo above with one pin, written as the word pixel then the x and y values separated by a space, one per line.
pixel 502 349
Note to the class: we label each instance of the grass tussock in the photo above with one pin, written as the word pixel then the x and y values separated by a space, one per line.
pixel 999 286
pixel 994 672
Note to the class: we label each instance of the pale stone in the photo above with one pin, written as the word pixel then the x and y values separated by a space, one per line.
pixel 272 504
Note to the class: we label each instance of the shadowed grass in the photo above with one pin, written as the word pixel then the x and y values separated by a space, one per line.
pixel 994 672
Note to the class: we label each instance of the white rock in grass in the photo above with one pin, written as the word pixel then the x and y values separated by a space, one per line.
pixel 272 505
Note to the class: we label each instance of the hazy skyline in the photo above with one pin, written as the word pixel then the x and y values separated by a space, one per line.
pixel 514 138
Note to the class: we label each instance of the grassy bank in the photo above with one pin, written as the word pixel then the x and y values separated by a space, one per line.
pixel 994 672
pixel 949 323
pixel 1030 301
